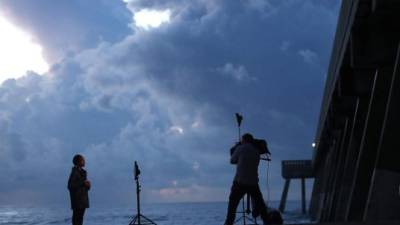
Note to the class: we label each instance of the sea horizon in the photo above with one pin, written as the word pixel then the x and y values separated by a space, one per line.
pixel 162 213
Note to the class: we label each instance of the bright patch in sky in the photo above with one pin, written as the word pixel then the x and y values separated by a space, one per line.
pixel 147 19
pixel 177 129
pixel 18 53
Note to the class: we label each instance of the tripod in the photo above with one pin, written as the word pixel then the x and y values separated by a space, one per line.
pixel 139 219
pixel 245 210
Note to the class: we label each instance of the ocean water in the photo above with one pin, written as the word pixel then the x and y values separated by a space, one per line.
pixel 162 214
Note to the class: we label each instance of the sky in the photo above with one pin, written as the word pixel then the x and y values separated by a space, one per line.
pixel 156 81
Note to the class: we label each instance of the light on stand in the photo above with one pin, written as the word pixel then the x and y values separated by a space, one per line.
pixel 139 219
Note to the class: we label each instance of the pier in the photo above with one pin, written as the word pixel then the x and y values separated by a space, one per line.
pixel 295 169
pixel 356 159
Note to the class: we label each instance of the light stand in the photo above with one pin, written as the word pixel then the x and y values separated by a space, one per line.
pixel 244 211
pixel 139 219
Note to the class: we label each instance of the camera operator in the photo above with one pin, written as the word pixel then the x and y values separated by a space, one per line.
pixel 247 158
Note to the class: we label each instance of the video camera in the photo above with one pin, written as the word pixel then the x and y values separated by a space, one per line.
pixel 260 144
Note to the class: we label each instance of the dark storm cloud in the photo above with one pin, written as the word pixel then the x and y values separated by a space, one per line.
pixel 166 96
pixel 231 34
pixel 11 146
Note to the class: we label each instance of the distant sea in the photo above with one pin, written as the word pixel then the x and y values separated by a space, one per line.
pixel 161 213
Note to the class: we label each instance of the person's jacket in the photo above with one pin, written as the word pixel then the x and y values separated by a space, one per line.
pixel 77 190
pixel 247 159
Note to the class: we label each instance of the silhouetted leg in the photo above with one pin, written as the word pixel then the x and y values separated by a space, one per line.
pixel 74 217
pixel 237 192
pixel 81 216
pixel 259 203
pixel 77 216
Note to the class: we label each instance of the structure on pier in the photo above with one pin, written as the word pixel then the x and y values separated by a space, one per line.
pixel 295 169
pixel 356 163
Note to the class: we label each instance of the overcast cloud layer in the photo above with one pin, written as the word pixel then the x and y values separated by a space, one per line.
pixel 165 97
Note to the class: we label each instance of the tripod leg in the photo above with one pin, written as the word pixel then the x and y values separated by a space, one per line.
pixel 248 204
pixel 244 213
pixel 147 220
pixel 133 220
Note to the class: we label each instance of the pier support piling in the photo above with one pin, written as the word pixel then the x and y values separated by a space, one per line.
pixel 282 205
pixel 303 195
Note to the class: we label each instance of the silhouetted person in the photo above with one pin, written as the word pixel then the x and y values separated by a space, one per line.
pixel 247 158
pixel 78 187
